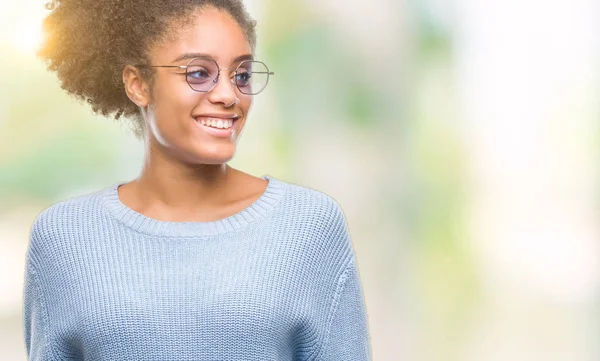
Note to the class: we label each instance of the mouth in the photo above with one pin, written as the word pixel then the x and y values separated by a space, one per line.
pixel 217 125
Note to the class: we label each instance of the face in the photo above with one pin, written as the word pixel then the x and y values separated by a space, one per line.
pixel 175 113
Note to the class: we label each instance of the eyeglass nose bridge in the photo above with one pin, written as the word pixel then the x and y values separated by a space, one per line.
pixel 216 80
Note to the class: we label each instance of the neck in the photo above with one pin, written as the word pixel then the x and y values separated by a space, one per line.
pixel 167 183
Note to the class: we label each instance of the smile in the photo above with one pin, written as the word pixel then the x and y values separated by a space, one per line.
pixel 216 126
pixel 216 122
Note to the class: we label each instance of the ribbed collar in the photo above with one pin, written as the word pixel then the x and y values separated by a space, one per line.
pixel 137 221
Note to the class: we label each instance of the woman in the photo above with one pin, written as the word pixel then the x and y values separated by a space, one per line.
pixel 192 260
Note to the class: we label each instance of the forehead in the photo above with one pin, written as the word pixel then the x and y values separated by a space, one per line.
pixel 211 31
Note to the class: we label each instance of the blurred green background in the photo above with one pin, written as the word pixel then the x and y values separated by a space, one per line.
pixel 459 137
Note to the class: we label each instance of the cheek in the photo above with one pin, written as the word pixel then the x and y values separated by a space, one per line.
pixel 174 104
pixel 246 104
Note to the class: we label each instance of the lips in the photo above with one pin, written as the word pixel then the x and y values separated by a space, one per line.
pixel 234 116
pixel 217 125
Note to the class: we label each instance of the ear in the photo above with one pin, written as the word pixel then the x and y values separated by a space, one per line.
pixel 136 88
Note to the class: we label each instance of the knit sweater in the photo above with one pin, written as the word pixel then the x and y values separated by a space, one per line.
pixel 277 281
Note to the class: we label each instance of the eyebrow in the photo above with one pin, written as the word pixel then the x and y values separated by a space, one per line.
pixel 200 55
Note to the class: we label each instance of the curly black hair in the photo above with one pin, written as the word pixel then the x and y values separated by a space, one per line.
pixel 89 42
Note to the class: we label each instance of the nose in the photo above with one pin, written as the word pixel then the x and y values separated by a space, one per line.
pixel 224 91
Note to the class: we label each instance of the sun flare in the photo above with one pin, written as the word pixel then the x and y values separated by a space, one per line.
pixel 28 38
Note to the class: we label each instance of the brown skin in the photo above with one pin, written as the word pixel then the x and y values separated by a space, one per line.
pixel 185 176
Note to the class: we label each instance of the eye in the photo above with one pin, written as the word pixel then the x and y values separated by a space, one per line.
pixel 243 77
pixel 197 75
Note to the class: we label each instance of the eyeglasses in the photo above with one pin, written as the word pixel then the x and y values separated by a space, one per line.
pixel 202 74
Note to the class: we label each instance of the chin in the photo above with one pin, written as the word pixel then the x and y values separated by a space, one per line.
pixel 213 157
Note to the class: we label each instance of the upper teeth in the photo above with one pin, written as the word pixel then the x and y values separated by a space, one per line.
pixel 217 123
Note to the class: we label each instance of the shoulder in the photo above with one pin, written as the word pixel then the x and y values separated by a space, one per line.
pixel 315 223
pixel 63 220
pixel 314 202
pixel 317 213
pixel 67 212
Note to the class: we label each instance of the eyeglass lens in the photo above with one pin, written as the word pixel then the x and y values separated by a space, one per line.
pixel 250 77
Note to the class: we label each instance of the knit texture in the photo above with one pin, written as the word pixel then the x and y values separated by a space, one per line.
pixel 277 281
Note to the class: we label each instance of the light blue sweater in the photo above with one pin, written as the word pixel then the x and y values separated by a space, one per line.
pixel 277 281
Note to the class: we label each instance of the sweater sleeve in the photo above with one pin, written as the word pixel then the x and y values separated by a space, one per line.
pixel 35 316
pixel 348 331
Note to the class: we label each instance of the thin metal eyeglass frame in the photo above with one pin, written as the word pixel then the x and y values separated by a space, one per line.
pixel 216 80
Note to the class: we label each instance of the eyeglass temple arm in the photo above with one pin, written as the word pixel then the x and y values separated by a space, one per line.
pixel 185 67
pixel 162 66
